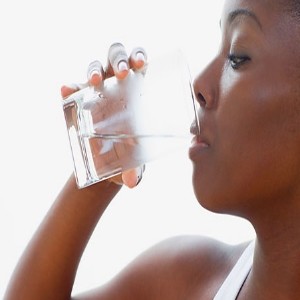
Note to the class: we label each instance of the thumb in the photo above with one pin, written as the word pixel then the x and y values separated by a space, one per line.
pixel 133 177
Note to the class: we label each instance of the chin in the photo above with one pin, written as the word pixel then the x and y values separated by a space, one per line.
pixel 208 203
pixel 214 198
pixel 204 196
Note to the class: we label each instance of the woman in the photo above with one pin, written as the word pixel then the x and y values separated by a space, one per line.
pixel 246 162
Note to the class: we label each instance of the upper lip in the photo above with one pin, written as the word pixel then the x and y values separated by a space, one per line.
pixel 199 139
pixel 198 131
pixel 195 130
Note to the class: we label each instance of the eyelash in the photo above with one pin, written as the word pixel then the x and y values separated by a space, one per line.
pixel 236 61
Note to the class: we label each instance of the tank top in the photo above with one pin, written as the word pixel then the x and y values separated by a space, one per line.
pixel 230 288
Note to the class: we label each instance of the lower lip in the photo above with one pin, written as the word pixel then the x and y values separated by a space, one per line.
pixel 196 148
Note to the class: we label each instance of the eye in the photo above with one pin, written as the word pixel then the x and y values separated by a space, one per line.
pixel 237 61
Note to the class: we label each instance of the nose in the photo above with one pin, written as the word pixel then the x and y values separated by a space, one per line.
pixel 205 86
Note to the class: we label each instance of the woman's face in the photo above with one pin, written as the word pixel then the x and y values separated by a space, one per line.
pixel 250 111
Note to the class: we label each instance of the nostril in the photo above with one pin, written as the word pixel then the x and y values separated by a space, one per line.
pixel 201 99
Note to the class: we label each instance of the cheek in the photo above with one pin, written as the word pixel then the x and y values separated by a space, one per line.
pixel 252 154
pixel 253 110
pixel 257 144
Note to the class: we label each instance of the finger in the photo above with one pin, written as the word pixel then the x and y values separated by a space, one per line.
pixel 133 177
pixel 117 61
pixel 138 58
pixel 67 90
pixel 95 73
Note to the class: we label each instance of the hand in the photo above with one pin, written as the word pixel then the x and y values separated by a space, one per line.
pixel 118 65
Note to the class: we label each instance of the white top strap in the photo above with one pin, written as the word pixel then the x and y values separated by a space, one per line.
pixel 234 281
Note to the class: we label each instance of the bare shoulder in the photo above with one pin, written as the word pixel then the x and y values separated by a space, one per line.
pixel 197 264
pixel 182 267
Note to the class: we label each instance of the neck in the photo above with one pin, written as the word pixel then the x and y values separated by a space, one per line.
pixel 276 266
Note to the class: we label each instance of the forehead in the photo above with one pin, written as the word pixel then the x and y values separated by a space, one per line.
pixel 272 16
pixel 266 11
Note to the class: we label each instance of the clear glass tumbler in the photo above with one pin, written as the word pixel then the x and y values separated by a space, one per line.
pixel 127 123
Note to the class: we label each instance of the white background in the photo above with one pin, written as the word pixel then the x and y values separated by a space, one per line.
pixel 46 44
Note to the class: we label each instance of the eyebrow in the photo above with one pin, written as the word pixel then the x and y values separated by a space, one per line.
pixel 243 12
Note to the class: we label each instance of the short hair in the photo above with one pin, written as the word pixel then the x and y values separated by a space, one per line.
pixel 293 7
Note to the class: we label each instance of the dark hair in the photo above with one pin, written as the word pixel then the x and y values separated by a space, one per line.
pixel 293 7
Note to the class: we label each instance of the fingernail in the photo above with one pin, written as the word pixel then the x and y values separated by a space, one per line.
pixel 139 60
pixel 94 73
pixel 140 56
pixel 122 66
pixel 139 179
pixel 95 79
pixel 94 66
pixel 140 176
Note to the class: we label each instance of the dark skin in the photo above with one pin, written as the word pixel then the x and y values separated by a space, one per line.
pixel 246 162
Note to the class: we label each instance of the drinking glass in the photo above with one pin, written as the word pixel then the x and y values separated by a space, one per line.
pixel 126 123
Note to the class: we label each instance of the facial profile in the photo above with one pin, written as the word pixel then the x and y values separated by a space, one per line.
pixel 250 111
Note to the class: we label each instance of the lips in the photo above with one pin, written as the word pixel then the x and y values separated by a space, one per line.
pixel 199 138
pixel 198 146
pixel 199 142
